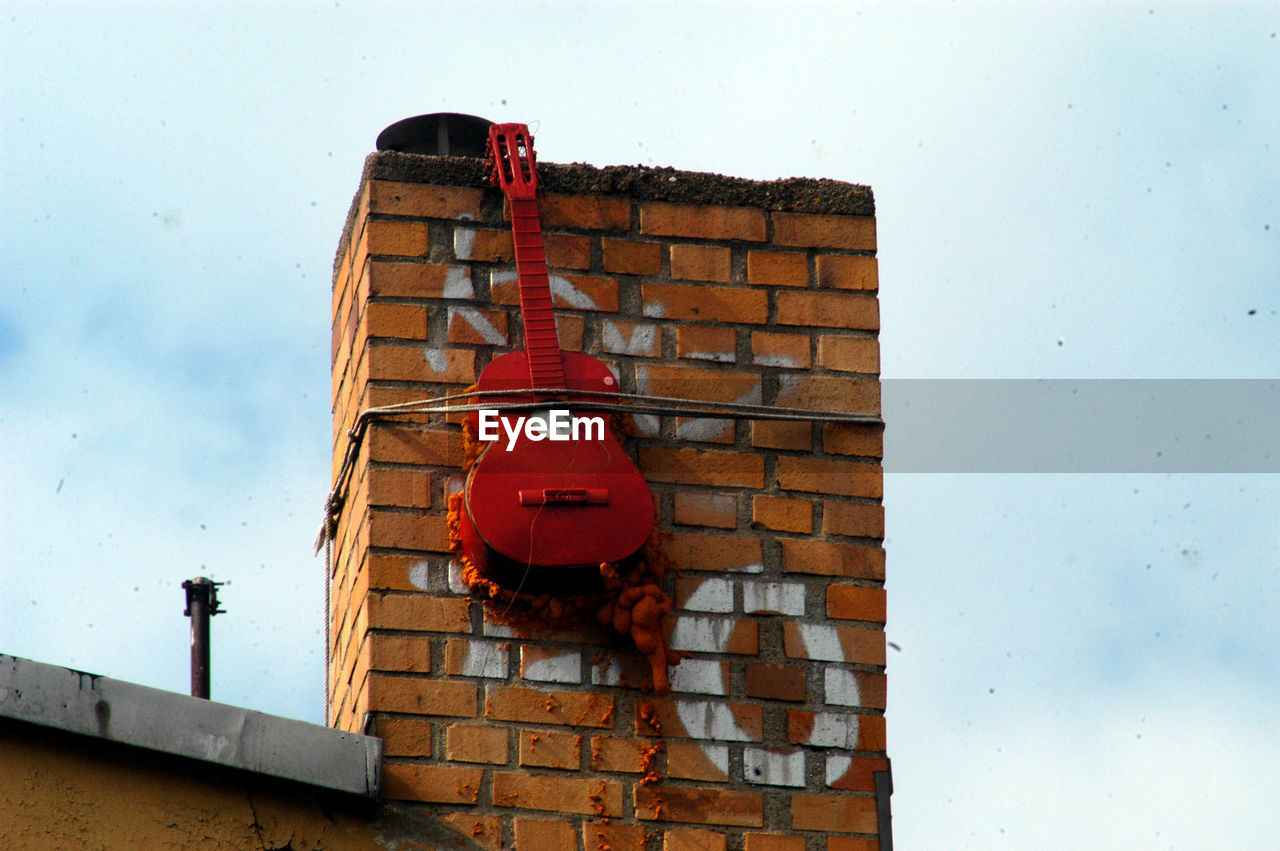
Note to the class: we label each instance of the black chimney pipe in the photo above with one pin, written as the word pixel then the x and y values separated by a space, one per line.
pixel 202 603
pixel 440 134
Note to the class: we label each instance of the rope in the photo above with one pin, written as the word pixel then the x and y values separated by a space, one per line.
pixel 328 652
pixel 581 400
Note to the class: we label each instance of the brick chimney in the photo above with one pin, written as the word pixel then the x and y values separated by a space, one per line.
pixel 693 285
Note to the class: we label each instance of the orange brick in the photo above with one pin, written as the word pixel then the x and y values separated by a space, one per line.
pixel 398 238
pixel 853 439
pixel 598 836
pixel 706 509
pixel 341 337
pixel 782 434
pixel 486 245
pixel 782 513
pixel 691 839
pixel 849 354
pixel 699 805
pixel 871 733
pixel 478 327
pixel 841 813
pixel 713 552
pixel 487 830
pixel 705 302
pixel 550 750
pixel 415 363
pixel 407 530
pixel 691 262
pixel 577 292
pixel 624 257
pixel 630 338
pixel 699 382
pixel 778 268
pixel 702 467
pixel 464 657
pixel 829 310
pixel 405 321
pixel 423 200
pixel 535 834
pixel 390 572
pixel 853 519
pixel 419 612
pixel 400 488
pixel 828 558
pixel 404 736
pixel 581 709
pixel 688 761
pixel 473 743
pixel 687 587
pixel 848 644
pixel 588 796
pixel 564 663
pixel 440 784
pixel 789 351
pixel 775 682
pixel 702 343
pixel 412 446
pixel 610 753
pixel 856 603
pixel 398 279
pixel 342 274
pixel 847 272
pixel 705 430
pixel 840 478
pixel 849 843
pixel 421 696
pixel 670 723
pixel 570 330
pixel 741 223
pixel 566 251
pixel 773 842
pixel 857 233
pixel 596 212
pixel 399 653
pixel 861 775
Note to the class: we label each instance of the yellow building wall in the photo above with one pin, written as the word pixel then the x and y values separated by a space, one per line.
pixel 62 791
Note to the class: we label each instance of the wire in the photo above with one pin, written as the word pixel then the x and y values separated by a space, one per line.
pixel 582 400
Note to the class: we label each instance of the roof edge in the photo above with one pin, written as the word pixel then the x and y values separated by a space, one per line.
pixel 172 723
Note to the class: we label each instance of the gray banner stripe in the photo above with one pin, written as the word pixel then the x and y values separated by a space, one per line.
pixel 1082 426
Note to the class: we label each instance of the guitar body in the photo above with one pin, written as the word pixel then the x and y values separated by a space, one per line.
pixel 543 515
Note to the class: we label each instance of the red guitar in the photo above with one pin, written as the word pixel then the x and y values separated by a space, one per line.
pixel 541 515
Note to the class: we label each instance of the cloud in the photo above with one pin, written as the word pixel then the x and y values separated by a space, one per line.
pixel 1107 771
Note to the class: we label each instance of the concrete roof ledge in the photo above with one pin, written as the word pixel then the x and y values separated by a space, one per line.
pixel 173 723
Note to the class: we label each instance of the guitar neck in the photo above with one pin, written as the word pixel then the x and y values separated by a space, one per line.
pixel 537 314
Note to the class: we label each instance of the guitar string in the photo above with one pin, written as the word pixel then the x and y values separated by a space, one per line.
pixel 491 647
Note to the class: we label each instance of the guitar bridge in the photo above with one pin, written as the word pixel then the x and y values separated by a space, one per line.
pixel 564 496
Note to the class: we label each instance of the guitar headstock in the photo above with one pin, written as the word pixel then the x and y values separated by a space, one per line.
pixel 513 166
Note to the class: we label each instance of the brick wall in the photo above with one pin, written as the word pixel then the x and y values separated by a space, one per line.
pixel 773 735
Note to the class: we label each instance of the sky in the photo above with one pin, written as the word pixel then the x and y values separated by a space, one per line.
pixel 1082 192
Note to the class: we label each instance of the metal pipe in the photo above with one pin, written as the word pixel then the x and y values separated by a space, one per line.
pixel 440 134
pixel 202 603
